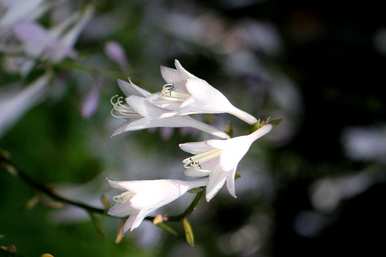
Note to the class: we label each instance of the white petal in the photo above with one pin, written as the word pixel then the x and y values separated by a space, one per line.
pixel 242 115
pixel 120 210
pixel 122 129
pixel 216 182
pixel 160 102
pixel 174 77
pixel 231 183
pixel 260 132
pixel 134 220
pixel 186 74
pixel 219 144
pixel 186 121
pixel 195 147
pixel 133 126
pixel 143 107
pixel 187 102
pixel 207 99
pixel 129 88
pixel 117 184
pixel 196 173
pixel 171 75
pixel 231 157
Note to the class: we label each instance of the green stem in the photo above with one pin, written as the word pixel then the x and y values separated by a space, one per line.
pixel 12 168
pixel 188 210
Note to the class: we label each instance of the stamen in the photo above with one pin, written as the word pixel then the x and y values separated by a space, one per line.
pixel 121 110
pixel 167 89
pixel 168 92
pixel 198 159
pixel 192 164
pixel 124 197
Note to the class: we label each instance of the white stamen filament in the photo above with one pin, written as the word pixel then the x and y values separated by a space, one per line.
pixel 168 92
pixel 121 110
pixel 196 160
pixel 124 197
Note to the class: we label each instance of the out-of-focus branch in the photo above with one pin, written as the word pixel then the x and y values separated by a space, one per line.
pixel 9 166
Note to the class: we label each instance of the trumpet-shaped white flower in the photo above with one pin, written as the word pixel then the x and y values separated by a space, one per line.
pixel 13 106
pixel 187 94
pixel 141 197
pixel 218 159
pixel 141 114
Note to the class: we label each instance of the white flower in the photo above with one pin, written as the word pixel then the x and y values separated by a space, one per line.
pixel 141 114
pixel 188 94
pixel 141 197
pixel 13 106
pixel 218 159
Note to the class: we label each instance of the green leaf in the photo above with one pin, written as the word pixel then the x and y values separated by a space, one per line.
pixel 189 236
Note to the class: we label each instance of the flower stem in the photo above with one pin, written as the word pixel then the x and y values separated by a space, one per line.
pixel 190 208
pixel 9 166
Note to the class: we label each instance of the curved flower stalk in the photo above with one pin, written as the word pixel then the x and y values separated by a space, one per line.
pixel 219 159
pixel 14 106
pixel 187 94
pixel 141 197
pixel 141 114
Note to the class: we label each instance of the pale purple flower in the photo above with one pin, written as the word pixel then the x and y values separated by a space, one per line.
pixel 117 54
pixel 17 11
pixel 13 106
pixel 56 43
pixel 90 102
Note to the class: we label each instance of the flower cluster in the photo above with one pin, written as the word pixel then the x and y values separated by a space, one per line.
pixel 26 44
pixel 213 162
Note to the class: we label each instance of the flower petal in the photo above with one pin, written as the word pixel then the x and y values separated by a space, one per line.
pixel 195 147
pixel 231 183
pixel 129 88
pixel 216 182
pixel 143 107
pixel 196 173
pixel 171 75
pixel 242 115
pixel 33 37
pixel 134 220
pixel 20 11
pixel 120 210
pixel 186 74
